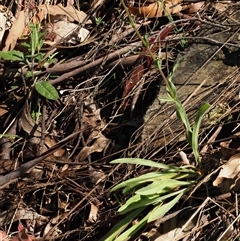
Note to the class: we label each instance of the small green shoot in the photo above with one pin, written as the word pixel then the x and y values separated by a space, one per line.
pixel 44 88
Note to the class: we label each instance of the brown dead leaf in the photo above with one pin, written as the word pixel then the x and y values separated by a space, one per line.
pixel 60 28
pixel 72 13
pixel 7 165
pixel 98 146
pixel 157 9
pixel 50 142
pixel 15 32
pixel 195 7
pixel 229 177
pixel 3 236
pixel 230 148
pixel 93 215
pixel 3 109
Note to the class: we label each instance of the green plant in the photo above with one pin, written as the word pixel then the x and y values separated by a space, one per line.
pixel 158 191
pixel 191 132
pixel 32 55
pixel 162 189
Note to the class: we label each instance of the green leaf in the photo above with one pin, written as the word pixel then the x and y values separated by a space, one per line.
pixel 120 226
pixel 35 115
pixel 131 188
pixel 34 38
pixel 13 55
pixel 144 162
pixel 128 234
pixel 30 73
pixel 138 182
pixel 138 201
pixel 166 99
pixel 148 177
pixel 158 187
pixel 182 116
pixel 161 210
pixel 158 63
pixel 171 194
pixel 45 89
pixel 196 128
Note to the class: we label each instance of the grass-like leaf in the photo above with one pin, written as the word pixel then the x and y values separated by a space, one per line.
pixel 196 128
pixel 153 176
pixel 128 234
pixel 45 89
pixel 161 210
pixel 120 226
pixel 148 177
pixel 138 182
pixel 159 186
pixel 138 201
pixel 144 162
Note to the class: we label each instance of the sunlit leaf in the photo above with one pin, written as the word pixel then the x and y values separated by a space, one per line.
pixel 158 186
pixel 153 176
pixel 128 234
pixel 196 128
pixel 13 55
pixel 161 210
pixel 138 201
pixel 144 162
pixel 120 226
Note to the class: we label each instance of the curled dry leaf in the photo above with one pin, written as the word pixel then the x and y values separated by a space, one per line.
pixel 72 13
pixel 157 9
pixel 15 32
pixel 195 7
pixel 98 146
pixel 3 107
pixel 60 29
pixel 93 215
pixel 22 234
pixel 27 123
pixel 230 148
pixel 229 177
pixel 6 19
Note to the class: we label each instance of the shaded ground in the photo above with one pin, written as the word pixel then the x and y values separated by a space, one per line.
pixel 66 145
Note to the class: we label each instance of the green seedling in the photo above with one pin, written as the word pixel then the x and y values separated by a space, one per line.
pixel 34 54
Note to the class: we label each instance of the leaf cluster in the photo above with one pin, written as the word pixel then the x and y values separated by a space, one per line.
pixel 34 53
pixel 160 190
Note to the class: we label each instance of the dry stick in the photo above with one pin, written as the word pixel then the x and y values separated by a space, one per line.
pixel 76 63
pixel 120 36
pixel 68 214
pixel 58 68
pixel 212 139
pixel 94 64
pixel 12 176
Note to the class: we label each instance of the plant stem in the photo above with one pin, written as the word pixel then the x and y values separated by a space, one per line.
pixel 147 46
